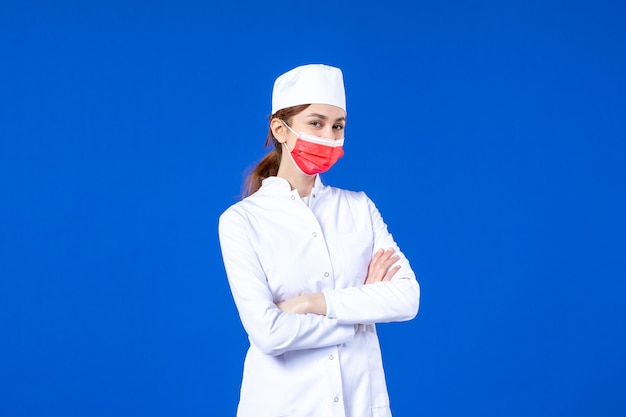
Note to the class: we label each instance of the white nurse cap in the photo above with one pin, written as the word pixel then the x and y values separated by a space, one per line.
pixel 309 84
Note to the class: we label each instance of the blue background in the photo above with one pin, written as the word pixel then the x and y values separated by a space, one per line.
pixel 489 134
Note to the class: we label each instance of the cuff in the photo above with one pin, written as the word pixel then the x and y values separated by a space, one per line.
pixel 330 306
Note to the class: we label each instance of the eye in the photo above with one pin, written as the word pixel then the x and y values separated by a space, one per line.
pixel 315 123
pixel 338 127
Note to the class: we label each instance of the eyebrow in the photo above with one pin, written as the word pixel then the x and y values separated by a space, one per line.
pixel 323 117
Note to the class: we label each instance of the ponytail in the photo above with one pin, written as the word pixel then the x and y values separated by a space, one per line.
pixel 268 167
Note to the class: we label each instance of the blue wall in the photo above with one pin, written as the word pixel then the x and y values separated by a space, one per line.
pixel 491 135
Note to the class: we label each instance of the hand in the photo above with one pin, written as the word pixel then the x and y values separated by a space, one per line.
pixel 380 269
pixel 305 303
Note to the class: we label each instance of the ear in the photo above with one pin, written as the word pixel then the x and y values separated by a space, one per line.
pixel 278 130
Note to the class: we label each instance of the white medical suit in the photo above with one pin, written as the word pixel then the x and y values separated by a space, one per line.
pixel 277 246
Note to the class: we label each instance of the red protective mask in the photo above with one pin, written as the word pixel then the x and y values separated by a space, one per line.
pixel 312 154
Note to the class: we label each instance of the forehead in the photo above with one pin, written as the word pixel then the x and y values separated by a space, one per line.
pixel 325 110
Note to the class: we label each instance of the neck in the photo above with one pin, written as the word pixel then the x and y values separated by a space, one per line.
pixel 298 181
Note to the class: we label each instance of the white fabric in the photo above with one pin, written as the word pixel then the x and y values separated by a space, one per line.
pixel 274 248
pixel 309 84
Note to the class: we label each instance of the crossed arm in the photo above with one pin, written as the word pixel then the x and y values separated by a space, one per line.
pixel 380 269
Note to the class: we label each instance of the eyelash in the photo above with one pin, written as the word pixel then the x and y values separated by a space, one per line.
pixel 318 124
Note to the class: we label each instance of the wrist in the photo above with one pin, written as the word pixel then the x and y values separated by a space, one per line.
pixel 316 303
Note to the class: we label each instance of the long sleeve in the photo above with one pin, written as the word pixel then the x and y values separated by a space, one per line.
pixel 271 330
pixel 395 300
pixel 275 247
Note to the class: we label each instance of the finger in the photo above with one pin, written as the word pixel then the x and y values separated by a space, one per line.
pixel 389 262
pixel 381 257
pixel 377 255
pixel 378 260
pixel 391 273
pixel 380 264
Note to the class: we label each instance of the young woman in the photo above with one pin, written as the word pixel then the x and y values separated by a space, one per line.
pixel 311 267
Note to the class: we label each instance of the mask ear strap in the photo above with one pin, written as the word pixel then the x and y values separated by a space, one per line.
pixel 288 127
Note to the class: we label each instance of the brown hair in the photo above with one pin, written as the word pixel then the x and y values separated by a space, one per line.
pixel 268 166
